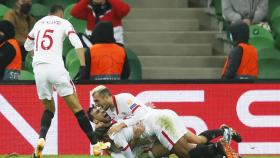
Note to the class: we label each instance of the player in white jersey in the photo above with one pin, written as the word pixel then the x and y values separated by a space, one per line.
pixel 46 40
pixel 165 124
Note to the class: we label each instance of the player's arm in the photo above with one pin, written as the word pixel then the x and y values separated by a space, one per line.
pixel 81 55
pixel 76 42
pixel 138 111
pixel 120 140
pixel 135 107
pixel 29 42
pixel 127 152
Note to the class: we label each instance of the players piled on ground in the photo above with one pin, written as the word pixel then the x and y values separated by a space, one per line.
pixel 136 130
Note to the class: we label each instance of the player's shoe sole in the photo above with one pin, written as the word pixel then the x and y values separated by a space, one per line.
pixel 234 135
pixel 39 148
pixel 227 150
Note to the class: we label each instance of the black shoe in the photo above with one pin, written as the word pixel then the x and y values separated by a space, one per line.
pixel 235 135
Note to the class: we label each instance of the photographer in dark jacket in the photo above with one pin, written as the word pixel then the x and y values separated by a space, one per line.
pixel 242 62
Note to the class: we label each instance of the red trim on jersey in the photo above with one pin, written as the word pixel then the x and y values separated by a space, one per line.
pixel 166 136
pixel 115 103
pixel 126 117
pixel 135 109
pixel 113 122
pixel 71 82
pixel 31 38
pixel 71 32
pixel 125 148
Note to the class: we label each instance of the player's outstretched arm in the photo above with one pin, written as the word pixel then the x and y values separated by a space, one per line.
pixel 29 44
pixel 81 55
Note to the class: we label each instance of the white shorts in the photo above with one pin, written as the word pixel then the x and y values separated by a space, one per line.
pixel 168 127
pixel 49 77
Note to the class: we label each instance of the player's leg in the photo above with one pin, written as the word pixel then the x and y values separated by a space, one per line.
pixel 44 90
pixel 170 131
pixel 66 89
pixel 173 137
pixel 203 137
pixel 187 150
pixel 45 125
pixel 73 103
pixel 183 148
pixel 208 135
pixel 47 117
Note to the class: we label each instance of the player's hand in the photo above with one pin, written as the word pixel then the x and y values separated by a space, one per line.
pixel 116 129
pixel 138 130
pixel 82 73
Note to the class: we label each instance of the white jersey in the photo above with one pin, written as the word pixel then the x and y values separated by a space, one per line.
pixel 166 125
pixel 46 39
pixel 129 107
pixel 122 139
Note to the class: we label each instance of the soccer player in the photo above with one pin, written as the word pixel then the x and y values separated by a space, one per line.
pixel 46 40
pixel 165 124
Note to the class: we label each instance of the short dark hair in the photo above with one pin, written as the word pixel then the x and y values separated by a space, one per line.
pixel 55 8
pixel 90 117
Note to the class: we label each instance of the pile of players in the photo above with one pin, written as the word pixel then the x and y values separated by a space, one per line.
pixel 137 130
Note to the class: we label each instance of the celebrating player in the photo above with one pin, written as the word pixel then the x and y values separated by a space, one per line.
pixel 164 124
pixel 46 40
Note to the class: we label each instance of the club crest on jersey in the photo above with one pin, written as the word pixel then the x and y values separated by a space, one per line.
pixel 129 102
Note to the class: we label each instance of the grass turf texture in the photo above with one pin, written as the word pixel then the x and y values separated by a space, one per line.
pixel 86 156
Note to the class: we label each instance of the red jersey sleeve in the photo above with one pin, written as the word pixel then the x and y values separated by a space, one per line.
pixel 119 8
pixel 81 10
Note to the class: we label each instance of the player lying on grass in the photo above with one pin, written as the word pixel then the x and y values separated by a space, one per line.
pixel 170 132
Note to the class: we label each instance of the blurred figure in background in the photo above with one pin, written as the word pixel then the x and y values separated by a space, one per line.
pixel 23 22
pixel 102 10
pixel 248 11
pixel 105 59
pixel 242 62
pixel 10 53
